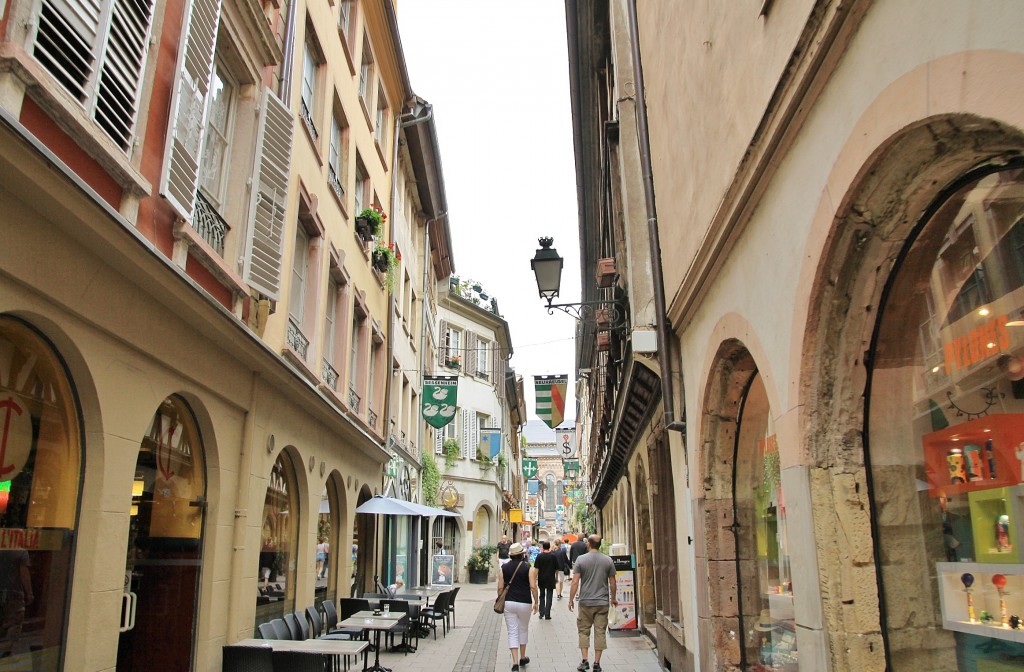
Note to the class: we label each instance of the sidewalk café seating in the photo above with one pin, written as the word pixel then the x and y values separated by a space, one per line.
pixel 348 606
pixel 267 631
pixel 331 622
pixel 300 661
pixel 438 612
pixel 247 659
pixel 408 627
pixel 318 625
pixel 451 604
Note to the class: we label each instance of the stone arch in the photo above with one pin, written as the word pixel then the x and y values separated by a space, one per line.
pixel 640 505
pixel 365 535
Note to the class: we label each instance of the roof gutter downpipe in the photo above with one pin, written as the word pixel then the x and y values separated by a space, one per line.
pixel 664 362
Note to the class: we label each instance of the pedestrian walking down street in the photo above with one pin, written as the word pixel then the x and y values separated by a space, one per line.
pixel 545 567
pixel 593 578
pixel 503 547
pixel 520 601
pixel 578 548
pixel 562 557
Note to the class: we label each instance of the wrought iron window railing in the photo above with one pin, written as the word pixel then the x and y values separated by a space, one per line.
pixel 296 340
pixel 209 224
pixel 307 118
pixel 353 399
pixel 329 375
pixel 335 182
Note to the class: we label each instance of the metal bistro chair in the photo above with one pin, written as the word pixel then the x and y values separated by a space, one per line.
pixel 409 628
pixel 280 629
pixel 267 631
pixel 247 659
pixel 438 612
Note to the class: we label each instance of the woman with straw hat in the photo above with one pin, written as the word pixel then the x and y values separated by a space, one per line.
pixel 520 602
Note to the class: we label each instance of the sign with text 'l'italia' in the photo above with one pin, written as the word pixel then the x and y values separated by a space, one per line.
pixel 440 396
pixel 550 392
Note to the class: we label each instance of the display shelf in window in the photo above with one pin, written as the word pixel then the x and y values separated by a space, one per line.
pixel 986 610
pixel 996 516
pixel 980 454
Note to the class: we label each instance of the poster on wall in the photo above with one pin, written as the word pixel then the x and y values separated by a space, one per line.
pixel 623 615
pixel 441 570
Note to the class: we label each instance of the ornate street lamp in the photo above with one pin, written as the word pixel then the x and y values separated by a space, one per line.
pixel 572 469
pixel 547 267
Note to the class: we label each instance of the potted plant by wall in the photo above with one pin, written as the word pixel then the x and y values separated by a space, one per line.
pixel 485 460
pixel 451 452
pixel 479 563
pixel 385 259
pixel 370 222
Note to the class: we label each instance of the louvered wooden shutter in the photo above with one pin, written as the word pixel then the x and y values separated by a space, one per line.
pixel 264 246
pixel 442 343
pixel 474 431
pixel 498 371
pixel 117 93
pixel 438 441
pixel 469 361
pixel 188 107
pixel 467 435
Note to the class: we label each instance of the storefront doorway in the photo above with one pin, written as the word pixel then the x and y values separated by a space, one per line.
pixel 161 580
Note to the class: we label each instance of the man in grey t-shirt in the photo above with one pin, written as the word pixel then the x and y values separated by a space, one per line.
pixel 593 577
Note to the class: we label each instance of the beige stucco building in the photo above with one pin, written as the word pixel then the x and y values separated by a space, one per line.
pixel 824 469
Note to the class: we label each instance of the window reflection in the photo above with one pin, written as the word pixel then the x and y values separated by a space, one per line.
pixel 276 579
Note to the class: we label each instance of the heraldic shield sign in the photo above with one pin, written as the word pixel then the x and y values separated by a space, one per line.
pixel 440 396
pixel 550 392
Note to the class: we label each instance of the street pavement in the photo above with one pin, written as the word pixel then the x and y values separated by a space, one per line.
pixel 479 643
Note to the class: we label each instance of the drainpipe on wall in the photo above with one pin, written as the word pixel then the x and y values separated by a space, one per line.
pixel 664 362
pixel 238 548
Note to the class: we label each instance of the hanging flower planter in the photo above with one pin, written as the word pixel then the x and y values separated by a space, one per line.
pixel 370 223
pixel 384 259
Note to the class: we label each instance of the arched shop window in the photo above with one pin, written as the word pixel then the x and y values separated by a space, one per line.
pixel 946 435
pixel 275 591
pixel 40 472
pixel 763 567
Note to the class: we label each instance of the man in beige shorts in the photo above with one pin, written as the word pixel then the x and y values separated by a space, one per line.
pixel 593 578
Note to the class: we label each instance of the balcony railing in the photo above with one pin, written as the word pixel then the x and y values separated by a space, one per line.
pixel 296 340
pixel 371 417
pixel 307 117
pixel 353 399
pixel 335 182
pixel 329 375
pixel 210 225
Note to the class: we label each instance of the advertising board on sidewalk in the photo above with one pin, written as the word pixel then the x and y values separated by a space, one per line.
pixel 623 616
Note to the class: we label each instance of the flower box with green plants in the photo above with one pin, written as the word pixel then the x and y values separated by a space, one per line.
pixel 484 461
pixel 370 222
pixel 453 361
pixel 385 260
pixel 480 562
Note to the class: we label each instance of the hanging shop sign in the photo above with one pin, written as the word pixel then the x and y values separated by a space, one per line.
pixel 550 393
pixel 440 396
pixel 529 468
pixel 490 441
pixel 567 443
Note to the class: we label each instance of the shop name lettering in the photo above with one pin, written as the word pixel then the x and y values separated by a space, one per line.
pixel 26 539
pixel 973 347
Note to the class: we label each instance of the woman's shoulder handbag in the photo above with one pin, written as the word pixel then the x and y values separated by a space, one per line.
pixel 499 604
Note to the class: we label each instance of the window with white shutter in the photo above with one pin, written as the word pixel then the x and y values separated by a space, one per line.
pixel 468 417
pixel 439 441
pixel 96 50
pixel 269 197
pixel 184 148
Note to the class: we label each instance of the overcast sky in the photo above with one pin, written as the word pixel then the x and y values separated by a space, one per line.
pixel 497 75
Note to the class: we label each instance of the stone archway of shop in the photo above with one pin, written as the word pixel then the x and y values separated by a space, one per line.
pixel 365 541
pixel 644 550
pixel 719 596
pixel 903 178
pixel 332 580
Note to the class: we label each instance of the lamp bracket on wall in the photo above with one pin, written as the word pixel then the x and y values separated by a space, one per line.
pixel 602 315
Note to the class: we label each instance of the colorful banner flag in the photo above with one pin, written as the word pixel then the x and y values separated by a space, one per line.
pixel 566 442
pixel 440 395
pixel 529 468
pixel 533 486
pixel 490 441
pixel 550 391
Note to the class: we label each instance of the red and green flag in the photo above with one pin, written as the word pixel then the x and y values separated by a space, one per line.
pixel 550 392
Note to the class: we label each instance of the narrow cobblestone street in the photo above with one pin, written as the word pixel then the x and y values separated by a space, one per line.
pixel 478 642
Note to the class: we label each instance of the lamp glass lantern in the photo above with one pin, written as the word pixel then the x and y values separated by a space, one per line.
pixel 547 267
pixel 572 469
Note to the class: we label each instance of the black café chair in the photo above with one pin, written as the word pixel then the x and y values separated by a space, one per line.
pixel 408 627
pixel 267 631
pixel 247 659
pixel 349 607
pixel 293 627
pixel 280 629
pixel 318 625
pixel 331 621
pixel 300 618
pixel 451 604
pixel 300 661
pixel 438 611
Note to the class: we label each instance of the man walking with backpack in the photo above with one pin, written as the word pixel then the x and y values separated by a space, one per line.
pixel 593 578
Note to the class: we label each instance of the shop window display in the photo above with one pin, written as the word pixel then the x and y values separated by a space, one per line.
pixel 766 582
pixel 275 589
pixel 40 472
pixel 946 436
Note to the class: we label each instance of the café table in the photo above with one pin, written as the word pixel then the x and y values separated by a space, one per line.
pixel 327 647
pixel 378 624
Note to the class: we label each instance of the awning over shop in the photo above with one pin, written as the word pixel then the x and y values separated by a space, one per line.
pixel 389 506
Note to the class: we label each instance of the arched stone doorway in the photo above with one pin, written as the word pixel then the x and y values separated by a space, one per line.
pixel 364 545
pixel 644 551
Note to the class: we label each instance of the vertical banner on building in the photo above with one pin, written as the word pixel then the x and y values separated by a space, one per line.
pixel 550 391
pixel 490 441
pixel 623 616
pixel 440 396
pixel 565 440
